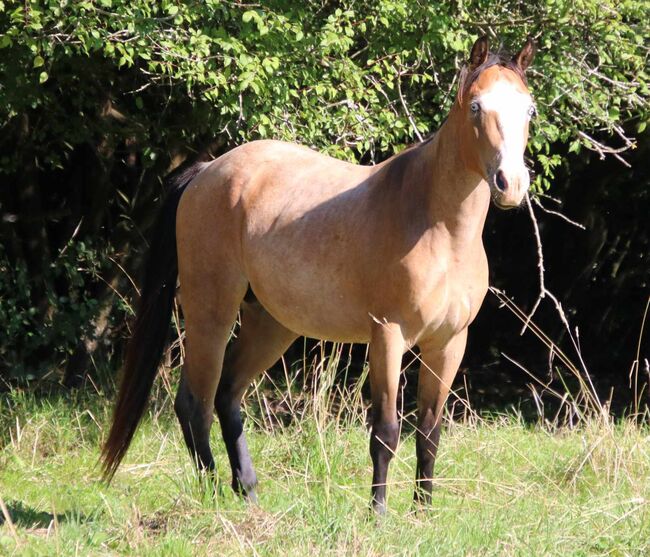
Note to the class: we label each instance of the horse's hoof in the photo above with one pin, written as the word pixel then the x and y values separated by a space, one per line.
pixel 420 508
pixel 379 509
pixel 421 501
pixel 251 497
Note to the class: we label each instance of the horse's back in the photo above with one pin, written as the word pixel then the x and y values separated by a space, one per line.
pixel 264 159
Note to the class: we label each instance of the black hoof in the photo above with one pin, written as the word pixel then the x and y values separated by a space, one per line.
pixel 250 497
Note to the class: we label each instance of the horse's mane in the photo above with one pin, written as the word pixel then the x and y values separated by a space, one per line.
pixel 501 58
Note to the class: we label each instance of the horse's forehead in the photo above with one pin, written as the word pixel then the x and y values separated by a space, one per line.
pixel 498 76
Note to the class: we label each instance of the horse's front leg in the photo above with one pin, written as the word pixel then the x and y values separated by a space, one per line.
pixel 386 349
pixel 437 371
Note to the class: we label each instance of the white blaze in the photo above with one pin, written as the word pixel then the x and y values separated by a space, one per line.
pixel 511 107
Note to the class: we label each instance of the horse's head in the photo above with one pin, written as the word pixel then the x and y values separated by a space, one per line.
pixel 496 108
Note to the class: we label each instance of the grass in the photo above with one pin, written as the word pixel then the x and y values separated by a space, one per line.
pixel 502 488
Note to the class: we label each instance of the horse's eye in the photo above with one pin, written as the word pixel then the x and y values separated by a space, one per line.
pixel 532 111
pixel 474 107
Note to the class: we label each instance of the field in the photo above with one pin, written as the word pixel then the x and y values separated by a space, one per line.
pixel 503 487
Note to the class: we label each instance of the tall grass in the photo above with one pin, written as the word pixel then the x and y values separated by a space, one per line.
pixel 571 483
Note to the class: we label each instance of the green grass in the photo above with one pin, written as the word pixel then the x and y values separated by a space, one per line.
pixel 502 488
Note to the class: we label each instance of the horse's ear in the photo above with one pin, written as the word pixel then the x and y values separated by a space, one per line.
pixel 479 52
pixel 524 57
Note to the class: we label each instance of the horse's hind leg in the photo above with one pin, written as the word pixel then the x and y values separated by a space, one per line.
pixel 210 308
pixel 261 341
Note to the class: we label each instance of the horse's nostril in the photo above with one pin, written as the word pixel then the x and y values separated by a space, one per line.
pixel 501 181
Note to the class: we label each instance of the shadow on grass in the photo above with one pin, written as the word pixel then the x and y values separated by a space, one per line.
pixel 24 516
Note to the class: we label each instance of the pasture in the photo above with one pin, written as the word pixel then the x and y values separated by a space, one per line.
pixel 502 486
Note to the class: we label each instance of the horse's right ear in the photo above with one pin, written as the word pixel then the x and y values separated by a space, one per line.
pixel 479 52
pixel 524 57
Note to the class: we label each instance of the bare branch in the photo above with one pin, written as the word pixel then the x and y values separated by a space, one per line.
pixel 544 292
pixel 603 149
pixel 547 196
pixel 406 109
pixel 557 214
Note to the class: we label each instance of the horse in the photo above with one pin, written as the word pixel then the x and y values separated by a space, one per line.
pixel 298 243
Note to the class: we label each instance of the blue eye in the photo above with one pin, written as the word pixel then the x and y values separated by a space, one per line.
pixel 474 107
pixel 532 111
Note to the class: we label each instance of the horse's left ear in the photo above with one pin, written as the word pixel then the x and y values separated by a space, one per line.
pixel 524 57
pixel 479 53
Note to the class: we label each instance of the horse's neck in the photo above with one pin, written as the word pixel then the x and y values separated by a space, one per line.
pixel 454 196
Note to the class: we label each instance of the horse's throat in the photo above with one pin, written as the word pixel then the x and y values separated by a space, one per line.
pixel 456 196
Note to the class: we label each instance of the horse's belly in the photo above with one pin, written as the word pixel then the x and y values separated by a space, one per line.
pixel 315 295
pixel 325 298
pixel 321 312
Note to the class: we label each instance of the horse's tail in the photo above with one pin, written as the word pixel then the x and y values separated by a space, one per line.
pixel 151 328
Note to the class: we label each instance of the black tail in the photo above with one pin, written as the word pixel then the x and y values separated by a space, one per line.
pixel 151 329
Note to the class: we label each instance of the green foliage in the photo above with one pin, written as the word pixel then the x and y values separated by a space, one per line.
pixel 324 76
pixel 27 331
pixel 99 99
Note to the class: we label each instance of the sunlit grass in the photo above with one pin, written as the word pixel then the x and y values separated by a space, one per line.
pixel 502 487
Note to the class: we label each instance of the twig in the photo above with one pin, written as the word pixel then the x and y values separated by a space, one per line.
pixel 135 287
pixel 508 22
pixel 540 265
pixel 74 234
pixel 554 348
pixel 406 109
pixel 133 16
pixel 603 149
pixel 634 370
pixel 557 214
pixel 544 292
pixel 5 513
pixel 241 118
pixel 547 196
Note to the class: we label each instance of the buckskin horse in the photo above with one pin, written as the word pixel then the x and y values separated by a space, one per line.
pixel 303 244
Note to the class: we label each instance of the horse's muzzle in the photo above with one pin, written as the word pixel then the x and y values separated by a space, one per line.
pixel 508 188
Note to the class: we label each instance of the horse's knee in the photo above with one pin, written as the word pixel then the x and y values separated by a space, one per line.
pixel 225 395
pixel 383 441
pixel 187 407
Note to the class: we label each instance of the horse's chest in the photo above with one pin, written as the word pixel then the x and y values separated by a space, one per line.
pixel 450 303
